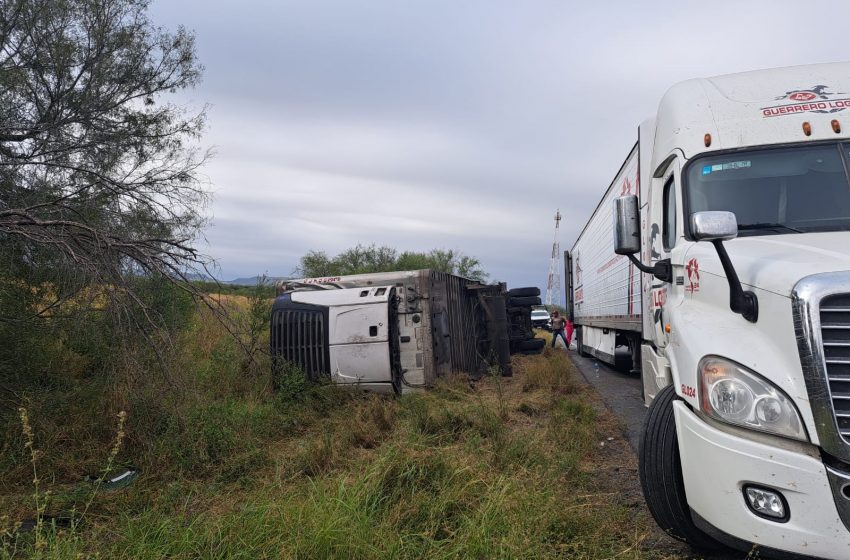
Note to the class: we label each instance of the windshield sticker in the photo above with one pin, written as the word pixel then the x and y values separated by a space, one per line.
pixel 814 100
pixel 709 169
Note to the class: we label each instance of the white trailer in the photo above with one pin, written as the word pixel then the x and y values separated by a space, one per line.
pixel 604 301
pixel 739 224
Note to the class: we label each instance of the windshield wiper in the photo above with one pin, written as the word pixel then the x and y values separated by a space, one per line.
pixel 768 225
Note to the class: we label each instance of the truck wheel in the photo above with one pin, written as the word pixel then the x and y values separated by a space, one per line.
pixel 531 344
pixel 522 292
pixel 661 474
pixel 580 344
pixel 524 301
pixel 520 335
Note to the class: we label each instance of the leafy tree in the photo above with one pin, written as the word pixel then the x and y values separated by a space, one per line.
pixel 315 264
pixel 470 267
pixel 368 259
pixel 99 181
pixel 363 259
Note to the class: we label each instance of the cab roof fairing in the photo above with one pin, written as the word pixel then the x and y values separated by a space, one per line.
pixel 757 108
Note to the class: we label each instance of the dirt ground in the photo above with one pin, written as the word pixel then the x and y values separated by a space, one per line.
pixel 619 471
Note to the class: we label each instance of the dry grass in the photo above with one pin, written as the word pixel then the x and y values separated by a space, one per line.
pixel 507 468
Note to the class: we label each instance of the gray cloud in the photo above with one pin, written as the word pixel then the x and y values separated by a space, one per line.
pixel 424 124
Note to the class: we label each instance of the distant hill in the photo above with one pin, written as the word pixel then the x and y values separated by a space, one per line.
pixel 250 281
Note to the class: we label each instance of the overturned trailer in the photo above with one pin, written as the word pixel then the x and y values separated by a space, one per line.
pixel 398 331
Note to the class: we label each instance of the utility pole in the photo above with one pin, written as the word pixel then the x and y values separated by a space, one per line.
pixel 553 290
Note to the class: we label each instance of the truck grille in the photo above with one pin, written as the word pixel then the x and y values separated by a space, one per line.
pixel 835 332
pixel 298 336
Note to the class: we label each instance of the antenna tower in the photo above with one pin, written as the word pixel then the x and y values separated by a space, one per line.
pixel 553 289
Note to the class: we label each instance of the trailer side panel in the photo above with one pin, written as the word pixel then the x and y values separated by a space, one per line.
pixel 606 287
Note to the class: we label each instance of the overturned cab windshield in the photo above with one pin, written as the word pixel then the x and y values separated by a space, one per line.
pixel 783 190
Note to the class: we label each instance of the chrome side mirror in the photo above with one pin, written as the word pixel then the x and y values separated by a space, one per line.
pixel 718 227
pixel 714 226
pixel 626 225
pixel 627 237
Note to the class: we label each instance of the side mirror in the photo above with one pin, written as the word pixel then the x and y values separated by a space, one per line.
pixel 627 237
pixel 718 227
pixel 627 225
pixel 714 226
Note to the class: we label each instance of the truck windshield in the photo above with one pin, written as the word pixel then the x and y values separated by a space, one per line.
pixel 785 190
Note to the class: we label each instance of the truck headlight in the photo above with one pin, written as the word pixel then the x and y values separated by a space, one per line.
pixel 733 394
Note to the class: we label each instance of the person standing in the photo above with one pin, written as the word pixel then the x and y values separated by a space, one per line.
pixel 558 326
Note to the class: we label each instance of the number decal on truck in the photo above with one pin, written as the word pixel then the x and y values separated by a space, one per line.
pixel 688 391
pixel 659 298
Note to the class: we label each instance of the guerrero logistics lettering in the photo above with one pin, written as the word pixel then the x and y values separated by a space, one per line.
pixel 805 107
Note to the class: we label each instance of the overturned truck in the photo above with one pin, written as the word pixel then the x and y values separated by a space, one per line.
pixel 399 331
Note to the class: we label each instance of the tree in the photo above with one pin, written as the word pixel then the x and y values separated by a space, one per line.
pixel 99 180
pixel 363 259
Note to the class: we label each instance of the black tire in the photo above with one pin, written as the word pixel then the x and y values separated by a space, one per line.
pixel 520 334
pixel 580 344
pixel 531 344
pixel 524 301
pixel 523 292
pixel 661 474
pixel 519 311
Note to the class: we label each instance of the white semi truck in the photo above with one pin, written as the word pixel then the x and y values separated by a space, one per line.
pixel 720 256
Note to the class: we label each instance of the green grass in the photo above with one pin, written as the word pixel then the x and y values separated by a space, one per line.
pixel 506 469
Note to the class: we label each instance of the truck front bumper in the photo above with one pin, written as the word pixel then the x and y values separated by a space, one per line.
pixel 716 465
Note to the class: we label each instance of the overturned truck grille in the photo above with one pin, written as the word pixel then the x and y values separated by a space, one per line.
pixel 299 335
pixel 835 333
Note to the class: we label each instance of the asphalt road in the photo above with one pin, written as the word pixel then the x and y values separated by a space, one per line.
pixel 620 390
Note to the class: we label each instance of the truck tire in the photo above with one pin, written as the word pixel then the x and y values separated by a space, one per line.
pixel 580 344
pixel 524 301
pixel 531 344
pixel 661 474
pixel 520 334
pixel 523 292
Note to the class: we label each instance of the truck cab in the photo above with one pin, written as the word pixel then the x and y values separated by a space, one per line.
pixel 741 231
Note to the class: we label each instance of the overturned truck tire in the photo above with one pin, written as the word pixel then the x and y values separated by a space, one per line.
pixel 531 344
pixel 524 292
pixel 524 301
pixel 528 346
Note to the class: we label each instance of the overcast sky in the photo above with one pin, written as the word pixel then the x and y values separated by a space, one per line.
pixel 452 124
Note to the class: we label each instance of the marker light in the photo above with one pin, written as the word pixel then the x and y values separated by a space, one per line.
pixel 707 140
pixel 733 394
pixel 807 128
pixel 766 503
pixel 836 126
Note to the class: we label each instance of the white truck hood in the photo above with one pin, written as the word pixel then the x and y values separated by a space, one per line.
pixel 777 262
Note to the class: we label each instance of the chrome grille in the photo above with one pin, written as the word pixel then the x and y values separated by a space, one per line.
pixel 298 336
pixel 835 335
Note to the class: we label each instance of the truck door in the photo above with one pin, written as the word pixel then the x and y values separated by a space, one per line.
pixel 665 228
